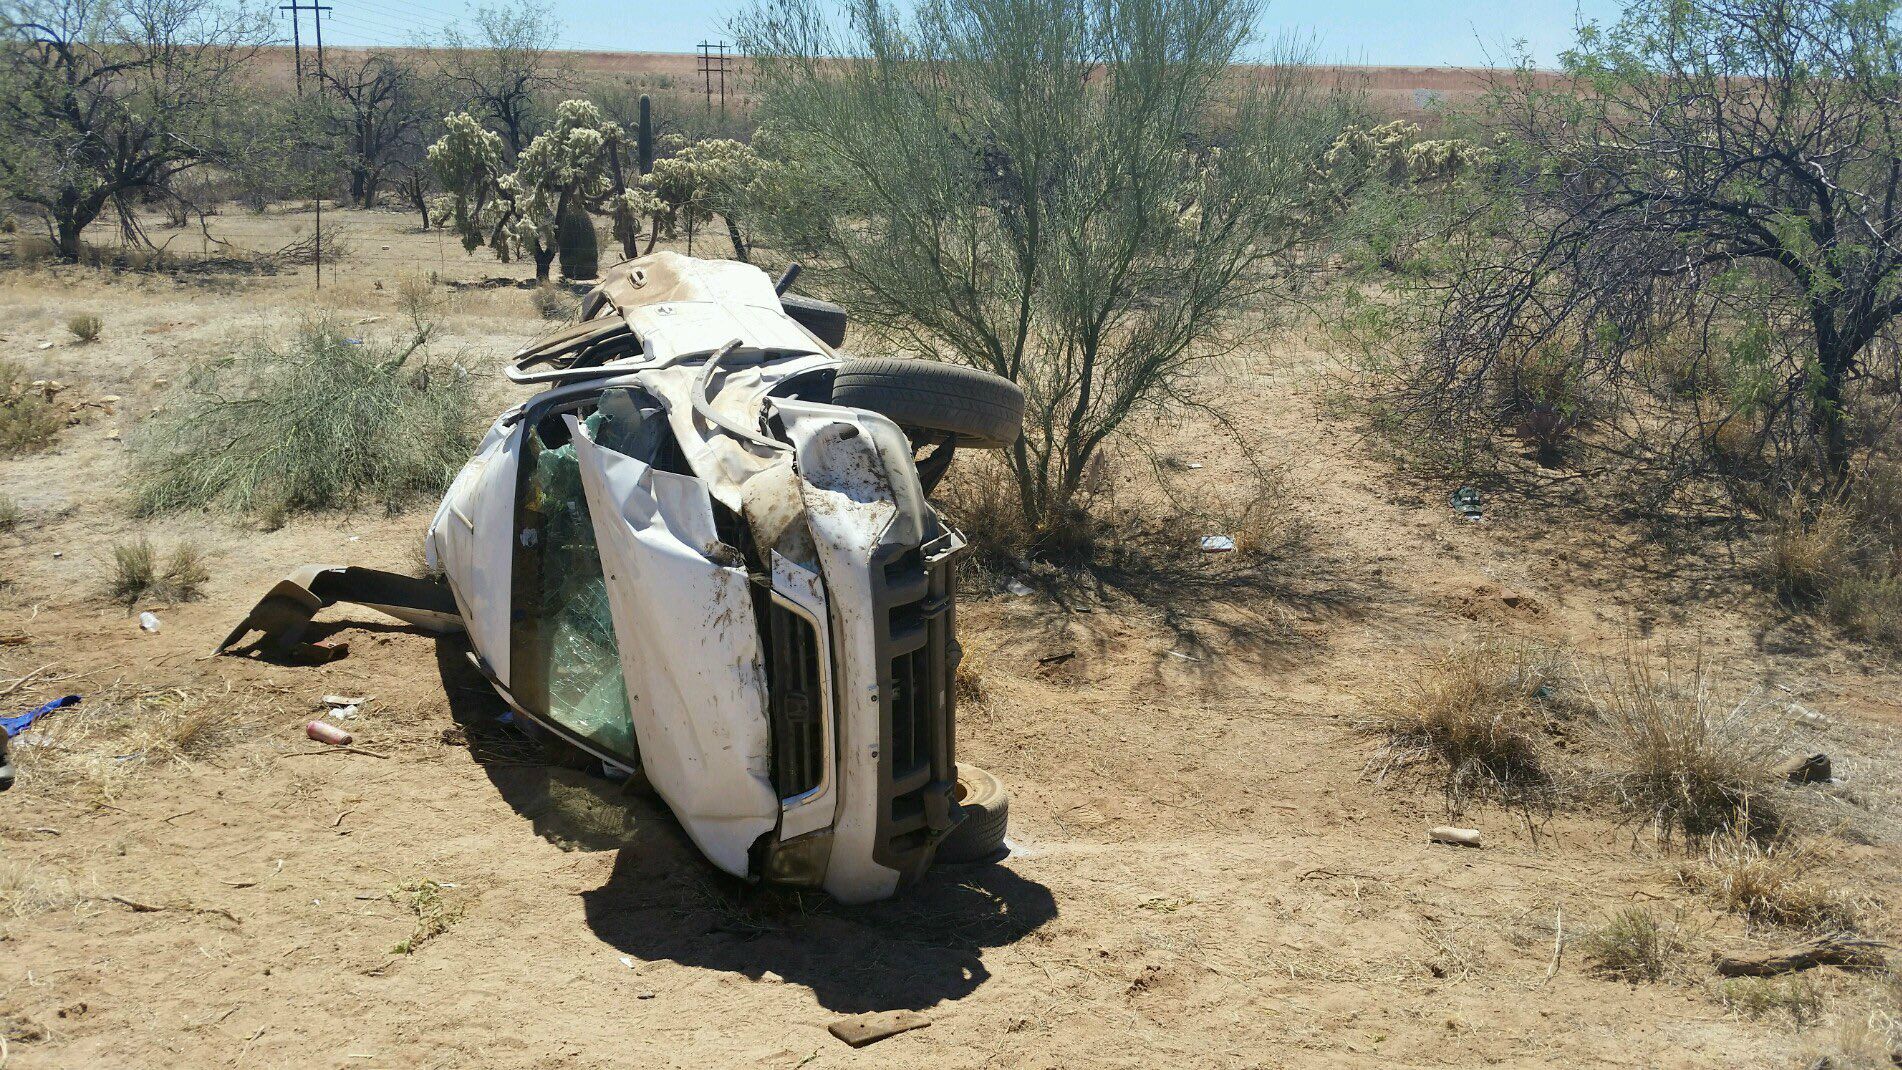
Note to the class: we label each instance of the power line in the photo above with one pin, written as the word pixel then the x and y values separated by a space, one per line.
pixel 713 59
pixel 317 12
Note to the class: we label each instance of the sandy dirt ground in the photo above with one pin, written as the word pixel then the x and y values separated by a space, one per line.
pixel 1203 873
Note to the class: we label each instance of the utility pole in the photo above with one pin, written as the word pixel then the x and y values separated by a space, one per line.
pixel 317 10
pixel 713 61
pixel 296 8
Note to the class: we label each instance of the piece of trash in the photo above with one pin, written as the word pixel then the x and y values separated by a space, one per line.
pixel 1465 501
pixel 148 621
pixel 1217 544
pixel 343 713
pixel 862 1029
pixel 46 345
pixel 1805 769
pixel 1057 659
pixel 1184 657
pixel 344 700
pixel 1805 715
pixel 1457 837
pixel 112 435
pixel 1016 587
pixel 628 962
pixel 1193 465
pixel 325 732
pixel 772 978
pixel 354 538
pixel 59 553
pixel 17 724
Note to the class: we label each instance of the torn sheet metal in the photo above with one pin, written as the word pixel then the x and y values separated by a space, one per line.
pixel 689 650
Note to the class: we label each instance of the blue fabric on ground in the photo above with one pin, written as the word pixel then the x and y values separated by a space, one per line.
pixel 16 725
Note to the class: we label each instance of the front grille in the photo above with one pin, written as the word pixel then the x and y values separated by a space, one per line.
pixel 795 703
pixel 914 595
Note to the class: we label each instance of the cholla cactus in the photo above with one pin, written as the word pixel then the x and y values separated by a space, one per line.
pixel 516 212
pixel 1390 153
pixel 701 179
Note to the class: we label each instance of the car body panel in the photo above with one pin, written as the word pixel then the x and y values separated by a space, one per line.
pixel 689 648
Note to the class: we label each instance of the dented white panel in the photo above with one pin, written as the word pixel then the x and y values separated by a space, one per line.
pixel 848 507
pixel 689 649
pixel 471 540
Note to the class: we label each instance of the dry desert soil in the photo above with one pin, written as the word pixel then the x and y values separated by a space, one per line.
pixel 1204 871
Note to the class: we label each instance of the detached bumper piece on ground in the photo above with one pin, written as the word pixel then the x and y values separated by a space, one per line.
pixel 705 552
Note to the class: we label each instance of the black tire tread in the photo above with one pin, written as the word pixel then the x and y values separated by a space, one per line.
pixel 986 411
pixel 981 834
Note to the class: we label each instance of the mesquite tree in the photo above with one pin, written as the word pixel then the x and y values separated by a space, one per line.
pixel 503 61
pixel 1079 195
pixel 376 107
pixel 1728 172
pixel 106 101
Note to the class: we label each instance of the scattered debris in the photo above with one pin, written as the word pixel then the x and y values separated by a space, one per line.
pixel 1016 588
pixel 1465 502
pixel 1217 544
pixel 1193 465
pixel 862 1029
pixel 1805 769
pixel 1804 715
pixel 325 732
pixel 1457 837
pixel 1057 659
pixel 1835 950
pixel 343 700
pixel 18 724
pixel 148 621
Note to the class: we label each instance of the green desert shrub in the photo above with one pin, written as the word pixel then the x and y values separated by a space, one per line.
pixel 323 421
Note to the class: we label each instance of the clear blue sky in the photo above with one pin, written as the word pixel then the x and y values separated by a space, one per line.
pixel 1384 32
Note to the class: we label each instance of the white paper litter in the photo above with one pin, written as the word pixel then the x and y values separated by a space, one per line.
pixel 1217 544
pixel 148 621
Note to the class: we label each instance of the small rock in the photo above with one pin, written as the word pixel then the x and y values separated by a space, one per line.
pixel 771 978
pixel 1456 837
pixel 112 435
pixel 109 399
pixel 46 345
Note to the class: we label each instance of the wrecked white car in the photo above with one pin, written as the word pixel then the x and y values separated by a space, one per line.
pixel 704 555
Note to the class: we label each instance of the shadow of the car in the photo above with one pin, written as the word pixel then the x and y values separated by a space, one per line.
pixel 922 947
pixel 664 901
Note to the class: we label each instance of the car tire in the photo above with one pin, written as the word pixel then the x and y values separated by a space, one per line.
pixel 823 318
pixel 986 808
pixel 983 410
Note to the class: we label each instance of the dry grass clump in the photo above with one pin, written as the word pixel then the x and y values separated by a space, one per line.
pixel 112 740
pixel 28 420
pixel 551 302
pixel 26 890
pixel 1771 884
pixel 1757 998
pixel 1869 1033
pixel 1681 759
pixel 1843 557
pixel 1633 945
pixel 10 513
pixel 325 421
pixel 137 572
pixel 86 327
pixel 1476 713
